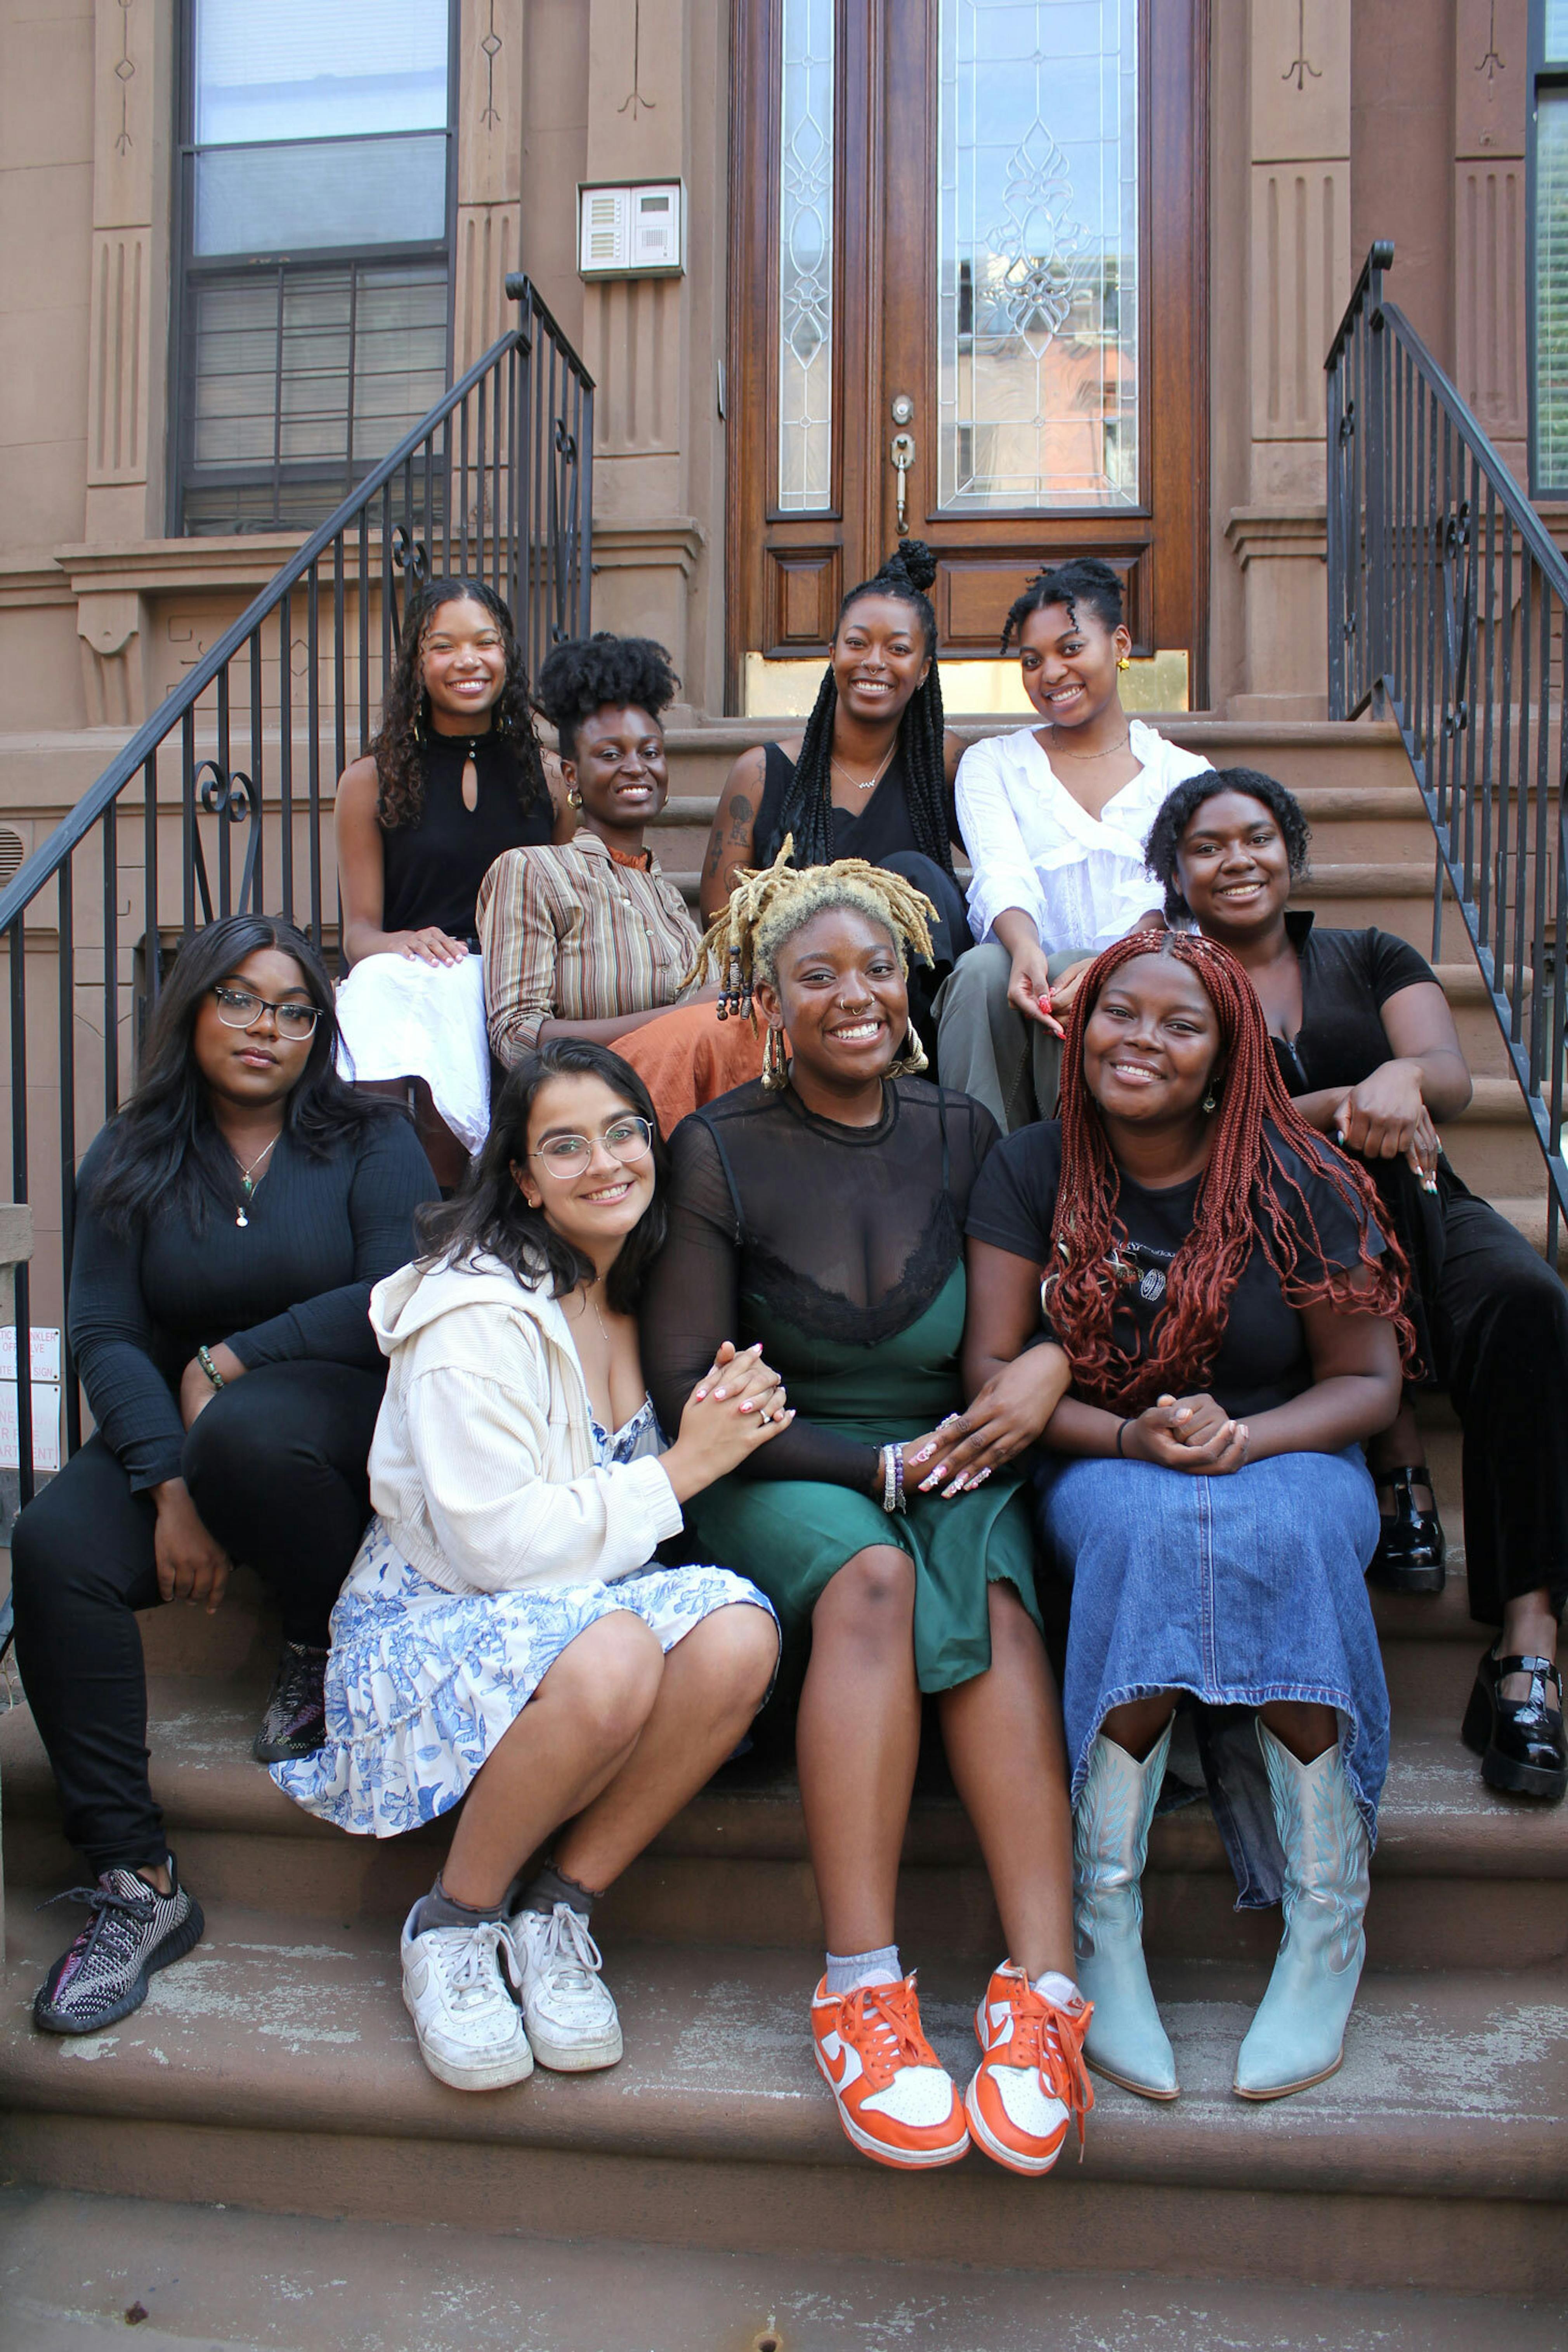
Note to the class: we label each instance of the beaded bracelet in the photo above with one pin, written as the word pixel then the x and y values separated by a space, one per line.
pixel 892 1478
pixel 204 1358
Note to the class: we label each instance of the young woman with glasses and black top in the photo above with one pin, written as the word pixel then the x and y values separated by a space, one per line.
pixel 230 1222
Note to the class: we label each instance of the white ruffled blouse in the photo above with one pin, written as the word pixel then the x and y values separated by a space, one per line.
pixel 1080 878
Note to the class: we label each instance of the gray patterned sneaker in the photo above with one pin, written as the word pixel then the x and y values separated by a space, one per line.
pixel 295 1723
pixel 570 2016
pixel 131 1931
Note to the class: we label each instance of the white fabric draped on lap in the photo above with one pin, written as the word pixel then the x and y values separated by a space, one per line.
pixel 403 1019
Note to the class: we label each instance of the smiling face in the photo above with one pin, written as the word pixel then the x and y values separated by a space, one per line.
pixel 1233 866
pixel 880 657
pixel 1152 1044
pixel 1069 664
pixel 255 1067
pixel 618 768
pixel 462 666
pixel 841 995
pixel 595 1208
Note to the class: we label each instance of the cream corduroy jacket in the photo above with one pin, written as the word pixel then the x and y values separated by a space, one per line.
pixel 482 1464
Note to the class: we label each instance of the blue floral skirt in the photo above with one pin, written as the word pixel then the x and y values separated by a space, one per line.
pixel 1240 1591
pixel 422 1684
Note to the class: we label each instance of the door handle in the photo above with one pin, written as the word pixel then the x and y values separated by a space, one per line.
pixel 902 450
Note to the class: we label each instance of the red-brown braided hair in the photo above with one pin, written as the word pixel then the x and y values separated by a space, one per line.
pixel 1250 1193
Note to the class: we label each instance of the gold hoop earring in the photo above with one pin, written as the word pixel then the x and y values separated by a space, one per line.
pixel 913 1059
pixel 1124 662
pixel 575 798
pixel 775 1063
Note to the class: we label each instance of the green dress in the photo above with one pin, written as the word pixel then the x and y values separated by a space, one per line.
pixel 791 1535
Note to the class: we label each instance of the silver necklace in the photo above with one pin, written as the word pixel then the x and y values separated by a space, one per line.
pixel 1122 746
pixel 247 1186
pixel 871 781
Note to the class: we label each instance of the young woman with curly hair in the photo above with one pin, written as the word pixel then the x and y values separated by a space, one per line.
pixel 1233 1320
pixel 873 774
pixel 1368 1050
pixel 452 780
pixel 587 937
pixel 820 1213
pixel 1053 818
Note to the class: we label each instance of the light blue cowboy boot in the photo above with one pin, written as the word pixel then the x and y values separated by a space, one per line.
pixel 1298 2036
pixel 1126 2041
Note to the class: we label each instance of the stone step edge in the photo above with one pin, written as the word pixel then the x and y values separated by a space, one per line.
pixel 364 2079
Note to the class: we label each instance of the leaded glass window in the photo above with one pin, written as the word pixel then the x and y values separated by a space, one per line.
pixel 805 257
pixel 1038 254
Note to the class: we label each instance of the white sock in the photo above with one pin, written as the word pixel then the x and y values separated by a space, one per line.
pixel 1054 1986
pixel 848 1972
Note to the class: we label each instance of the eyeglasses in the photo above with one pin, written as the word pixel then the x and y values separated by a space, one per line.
pixel 628 1139
pixel 241 1008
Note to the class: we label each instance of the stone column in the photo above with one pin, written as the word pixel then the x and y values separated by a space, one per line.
pixel 489 174
pixel 1298 279
pixel 1492 88
pixel 132 110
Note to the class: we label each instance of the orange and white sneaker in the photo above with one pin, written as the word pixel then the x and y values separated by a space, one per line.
pixel 895 2100
pixel 1031 2078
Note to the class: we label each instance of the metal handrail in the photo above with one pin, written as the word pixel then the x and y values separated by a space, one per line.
pixel 1449 608
pixel 496 482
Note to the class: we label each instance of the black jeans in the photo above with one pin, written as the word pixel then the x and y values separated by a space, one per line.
pixel 1500 1328
pixel 277 1468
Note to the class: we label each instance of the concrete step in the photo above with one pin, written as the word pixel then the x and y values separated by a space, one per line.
pixel 1473 1879
pixel 75 2264
pixel 280 2073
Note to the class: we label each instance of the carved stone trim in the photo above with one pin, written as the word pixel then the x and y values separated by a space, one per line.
pixel 1293 533
pixel 670 543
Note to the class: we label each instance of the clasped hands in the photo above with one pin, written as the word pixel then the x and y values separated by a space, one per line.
pixel 1192 1433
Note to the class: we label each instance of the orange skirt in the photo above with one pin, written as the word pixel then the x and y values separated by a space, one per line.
pixel 688 1055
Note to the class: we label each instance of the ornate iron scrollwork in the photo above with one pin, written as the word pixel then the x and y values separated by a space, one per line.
pixel 228 794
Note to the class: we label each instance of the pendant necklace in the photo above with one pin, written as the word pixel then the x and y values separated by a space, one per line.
pixel 871 781
pixel 247 1185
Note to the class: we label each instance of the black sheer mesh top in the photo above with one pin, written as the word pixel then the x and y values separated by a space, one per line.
pixel 779 1216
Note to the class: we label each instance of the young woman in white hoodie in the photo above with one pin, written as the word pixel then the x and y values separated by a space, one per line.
pixel 507 1637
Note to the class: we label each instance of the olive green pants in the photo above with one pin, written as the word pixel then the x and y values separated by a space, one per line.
pixel 989 1049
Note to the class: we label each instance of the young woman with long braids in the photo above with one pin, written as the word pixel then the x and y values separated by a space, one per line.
pixel 453 779
pixel 820 1212
pixel 871 777
pixel 230 1221
pixel 1233 1319
pixel 1367 1047
pixel 587 937
pixel 1054 819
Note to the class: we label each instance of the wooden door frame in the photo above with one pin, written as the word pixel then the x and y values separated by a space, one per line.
pixel 1174 164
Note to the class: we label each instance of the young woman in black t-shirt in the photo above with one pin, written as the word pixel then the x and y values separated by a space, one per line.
pixel 1231 1314
pixel 1366 1043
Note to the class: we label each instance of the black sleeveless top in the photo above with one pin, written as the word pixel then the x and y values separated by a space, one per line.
pixel 431 871
pixel 875 832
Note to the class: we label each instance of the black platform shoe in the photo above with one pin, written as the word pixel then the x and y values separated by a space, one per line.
pixel 1411 1548
pixel 1518 1741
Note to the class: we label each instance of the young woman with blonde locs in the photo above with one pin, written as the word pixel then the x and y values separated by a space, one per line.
pixel 819 1212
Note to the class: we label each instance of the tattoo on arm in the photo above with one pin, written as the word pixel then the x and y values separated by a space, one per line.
pixel 741 822
pixel 715 852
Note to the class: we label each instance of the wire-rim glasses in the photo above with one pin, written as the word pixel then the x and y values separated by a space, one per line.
pixel 242 1008
pixel 628 1139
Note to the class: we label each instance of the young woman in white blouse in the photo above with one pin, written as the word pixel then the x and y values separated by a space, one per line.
pixel 1054 820
pixel 508 1638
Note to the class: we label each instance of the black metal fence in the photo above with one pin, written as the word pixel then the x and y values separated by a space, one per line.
pixel 1446 601
pixel 221 804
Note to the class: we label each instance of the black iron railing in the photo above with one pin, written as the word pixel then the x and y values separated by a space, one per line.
pixel 1447 605
pixel 222 803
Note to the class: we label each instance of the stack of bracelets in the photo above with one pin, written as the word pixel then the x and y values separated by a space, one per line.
pixel 892 1477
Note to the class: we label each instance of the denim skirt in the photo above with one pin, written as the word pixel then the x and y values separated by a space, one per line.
pixel 1239 1590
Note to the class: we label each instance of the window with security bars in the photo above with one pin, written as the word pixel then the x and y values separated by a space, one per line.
pixel 315 221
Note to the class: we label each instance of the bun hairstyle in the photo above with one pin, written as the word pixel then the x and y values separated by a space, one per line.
pixel 397 747
pixel 906 576
pixel 602 672
pixel 1084 581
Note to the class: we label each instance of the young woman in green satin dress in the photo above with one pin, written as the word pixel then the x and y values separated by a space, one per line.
pixel 821 1210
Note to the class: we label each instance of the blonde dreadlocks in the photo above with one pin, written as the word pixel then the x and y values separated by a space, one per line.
pixel 770 903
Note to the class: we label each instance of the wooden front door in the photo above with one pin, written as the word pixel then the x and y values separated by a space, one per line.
pixel 969 235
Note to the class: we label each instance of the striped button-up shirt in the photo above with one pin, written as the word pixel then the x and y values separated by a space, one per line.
pixel 573 934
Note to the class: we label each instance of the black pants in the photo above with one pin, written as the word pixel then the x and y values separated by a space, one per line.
pixel 950 935
pixel 277 1468
pixel 1500 1328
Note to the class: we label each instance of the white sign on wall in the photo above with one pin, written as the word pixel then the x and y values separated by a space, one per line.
pixel 44 1354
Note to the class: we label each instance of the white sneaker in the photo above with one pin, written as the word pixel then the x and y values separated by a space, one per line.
pixel 571 2018
pixel 457 1990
